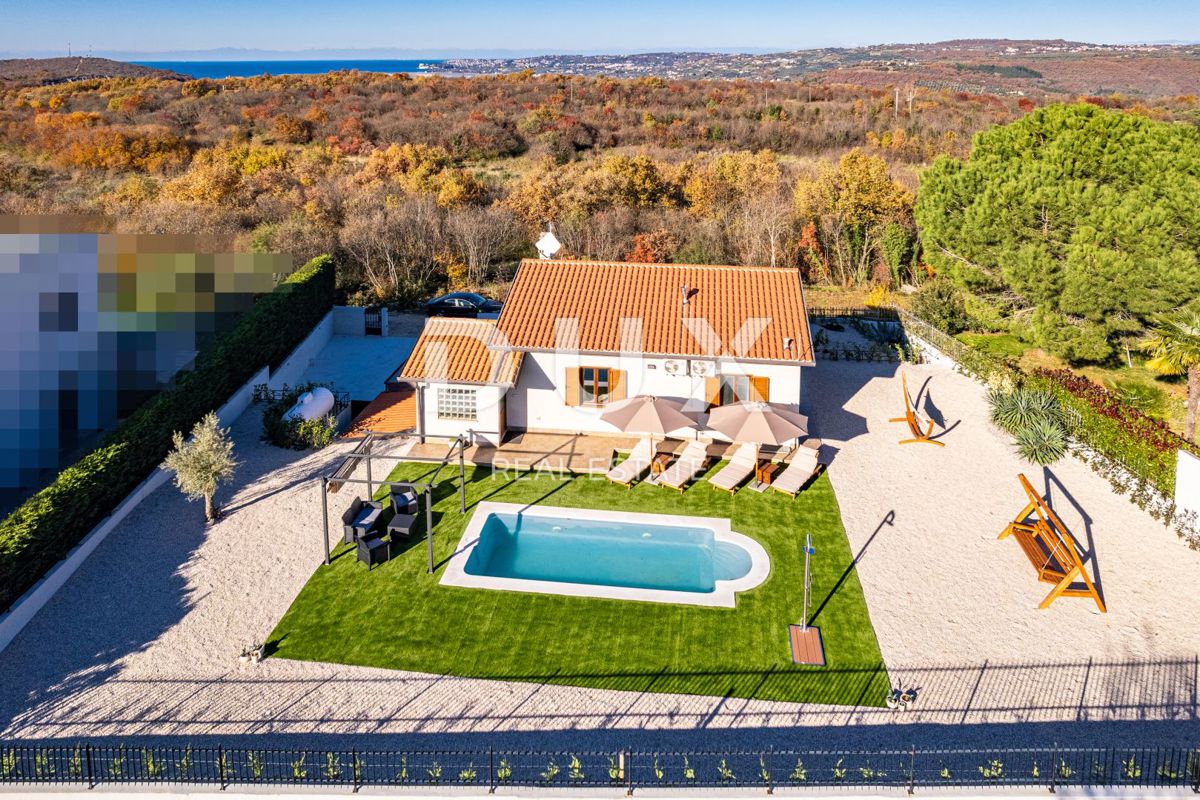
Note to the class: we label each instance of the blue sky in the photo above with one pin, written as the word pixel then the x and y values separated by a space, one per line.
pixel 430 28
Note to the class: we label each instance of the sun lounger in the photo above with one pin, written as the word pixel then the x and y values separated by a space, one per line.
pixel 741 466
pixel 633 467
pixel 689 464
pixel 804 465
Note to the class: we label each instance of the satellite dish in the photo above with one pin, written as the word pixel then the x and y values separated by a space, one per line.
pixel 548 245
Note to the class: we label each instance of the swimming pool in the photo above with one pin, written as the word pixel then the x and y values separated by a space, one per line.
pixel 591 553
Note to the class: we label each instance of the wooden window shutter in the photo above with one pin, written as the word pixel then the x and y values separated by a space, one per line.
pixel 760 388
pixel 712 391
pixel 571 389
pixel 616 385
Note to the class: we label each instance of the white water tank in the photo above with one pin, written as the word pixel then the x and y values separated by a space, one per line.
pixel 311 405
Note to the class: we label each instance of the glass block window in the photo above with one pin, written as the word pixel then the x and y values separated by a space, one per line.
pixel 455 403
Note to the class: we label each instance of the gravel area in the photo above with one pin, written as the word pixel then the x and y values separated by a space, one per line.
pixel 143 640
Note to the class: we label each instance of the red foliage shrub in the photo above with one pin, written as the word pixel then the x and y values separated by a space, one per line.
pixel 1156 433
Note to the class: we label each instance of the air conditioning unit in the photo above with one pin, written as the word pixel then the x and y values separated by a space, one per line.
pixel 673 367
pixel 703 369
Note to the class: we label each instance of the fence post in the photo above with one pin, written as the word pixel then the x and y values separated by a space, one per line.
pixel 370 482
pixel 221 765
pixel 491 771
pixel 1053 766
pixel 629 772
pixel 354 770
pixel 91 780
pixel 1194 763
pixel 912 769
pixel 325 513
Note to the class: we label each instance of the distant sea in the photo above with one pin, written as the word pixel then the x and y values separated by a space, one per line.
pixel 248 69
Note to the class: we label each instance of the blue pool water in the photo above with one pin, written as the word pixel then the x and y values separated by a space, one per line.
pixel 677 558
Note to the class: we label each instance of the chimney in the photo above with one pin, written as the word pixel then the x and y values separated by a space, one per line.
pixel 686 292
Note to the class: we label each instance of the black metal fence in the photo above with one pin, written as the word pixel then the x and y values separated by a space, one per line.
pixel 887 314
pixel 87 765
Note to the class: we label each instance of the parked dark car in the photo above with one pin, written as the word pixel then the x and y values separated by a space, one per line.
pixel 461 304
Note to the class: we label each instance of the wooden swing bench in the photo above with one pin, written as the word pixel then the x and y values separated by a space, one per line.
pixel 1051 550
pixel 914 425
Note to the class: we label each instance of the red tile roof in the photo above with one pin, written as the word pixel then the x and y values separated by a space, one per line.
pixel 390 412
pixel 456 351
pixel 746 313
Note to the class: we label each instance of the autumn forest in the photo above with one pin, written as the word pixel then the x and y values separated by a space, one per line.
pixel 422 183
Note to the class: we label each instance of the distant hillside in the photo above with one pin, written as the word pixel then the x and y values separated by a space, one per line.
pixel 45 71
pixel 1053 68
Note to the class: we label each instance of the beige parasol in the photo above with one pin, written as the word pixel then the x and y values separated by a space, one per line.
pixel 760 423
pixel 647 414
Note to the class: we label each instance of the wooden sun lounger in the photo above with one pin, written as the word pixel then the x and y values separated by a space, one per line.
pixel 689 464
pixel 1051 550
pixel 804 465
pixel 633 467
pixel 741 466
pixel 914 424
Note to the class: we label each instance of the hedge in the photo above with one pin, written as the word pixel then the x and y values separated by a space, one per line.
pixel 40 532
pixel 1145 446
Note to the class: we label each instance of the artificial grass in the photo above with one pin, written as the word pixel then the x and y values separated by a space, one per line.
pixel 397 616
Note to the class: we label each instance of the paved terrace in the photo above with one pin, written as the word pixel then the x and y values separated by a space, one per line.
pixel 559 453
pixel 590 454
pixel 359 364
pixel 143 640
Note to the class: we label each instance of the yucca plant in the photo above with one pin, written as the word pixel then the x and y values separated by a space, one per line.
pixel 1042 442
pixel 1016 410
pixel 1035 418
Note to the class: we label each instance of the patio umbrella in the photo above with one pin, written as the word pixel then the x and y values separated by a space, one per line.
pixel 760 423
pixel 647 414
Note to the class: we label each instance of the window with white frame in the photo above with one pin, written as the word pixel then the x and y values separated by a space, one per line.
pixel 455 403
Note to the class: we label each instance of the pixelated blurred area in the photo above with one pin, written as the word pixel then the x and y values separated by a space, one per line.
pixel 92 323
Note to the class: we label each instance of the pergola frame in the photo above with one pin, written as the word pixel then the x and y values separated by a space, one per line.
pixel 423 488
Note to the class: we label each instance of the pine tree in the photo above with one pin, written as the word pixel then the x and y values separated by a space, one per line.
pixel 1087 216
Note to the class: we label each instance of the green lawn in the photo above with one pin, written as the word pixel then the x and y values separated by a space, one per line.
pixel 998 345
pixel 399 617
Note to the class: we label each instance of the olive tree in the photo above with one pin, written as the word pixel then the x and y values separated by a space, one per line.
pixel 202 461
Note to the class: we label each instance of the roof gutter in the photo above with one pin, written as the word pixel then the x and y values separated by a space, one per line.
pixel 792 362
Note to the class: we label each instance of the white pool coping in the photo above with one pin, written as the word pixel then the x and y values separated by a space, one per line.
pixel 723 596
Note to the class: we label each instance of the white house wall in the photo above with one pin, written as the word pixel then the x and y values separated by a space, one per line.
pixel 537 403
pixel 486 425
